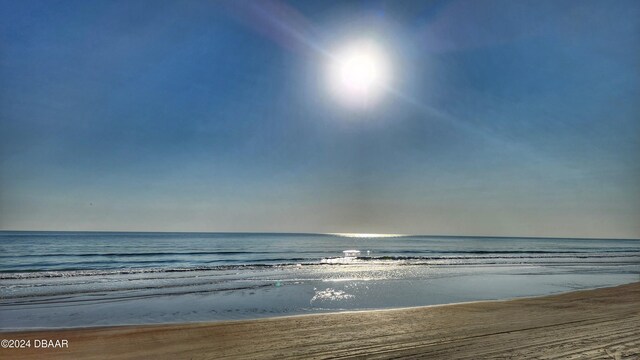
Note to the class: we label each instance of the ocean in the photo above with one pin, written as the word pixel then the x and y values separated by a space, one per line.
pixel 82 279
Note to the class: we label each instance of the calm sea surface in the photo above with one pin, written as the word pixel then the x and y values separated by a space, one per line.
pixel 63 279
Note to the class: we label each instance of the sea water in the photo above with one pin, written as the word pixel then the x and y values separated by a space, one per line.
pixel 78 279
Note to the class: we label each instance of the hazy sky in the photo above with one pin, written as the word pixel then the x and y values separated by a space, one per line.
pixel 502 118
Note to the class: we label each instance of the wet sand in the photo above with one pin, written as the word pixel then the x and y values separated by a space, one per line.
pixel 598 324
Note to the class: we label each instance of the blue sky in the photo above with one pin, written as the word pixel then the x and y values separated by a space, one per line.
pixel 513 118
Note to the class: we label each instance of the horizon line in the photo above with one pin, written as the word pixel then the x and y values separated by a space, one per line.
pixel 339 234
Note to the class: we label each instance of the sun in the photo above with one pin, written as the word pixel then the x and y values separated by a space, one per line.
pixel 359 73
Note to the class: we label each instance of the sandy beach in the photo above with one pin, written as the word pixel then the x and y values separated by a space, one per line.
pixel 600 323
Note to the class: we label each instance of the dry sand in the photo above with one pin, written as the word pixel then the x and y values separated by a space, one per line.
pixel 598 324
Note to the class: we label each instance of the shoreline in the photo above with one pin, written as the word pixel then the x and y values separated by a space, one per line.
pixel 224 322
pixel 603 319
pixel 232 321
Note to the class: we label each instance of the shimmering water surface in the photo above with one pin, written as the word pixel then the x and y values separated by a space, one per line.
pixel 63 279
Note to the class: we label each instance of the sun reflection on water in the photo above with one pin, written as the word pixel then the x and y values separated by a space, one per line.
pixel 330 295
pixel 366 236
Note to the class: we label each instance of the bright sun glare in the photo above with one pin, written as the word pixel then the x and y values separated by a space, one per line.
pixel 359 73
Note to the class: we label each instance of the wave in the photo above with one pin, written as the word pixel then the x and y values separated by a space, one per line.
pixel 192 253
pixel 72 272
pixel 564 255
pixel 76 269
pixel 136 254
